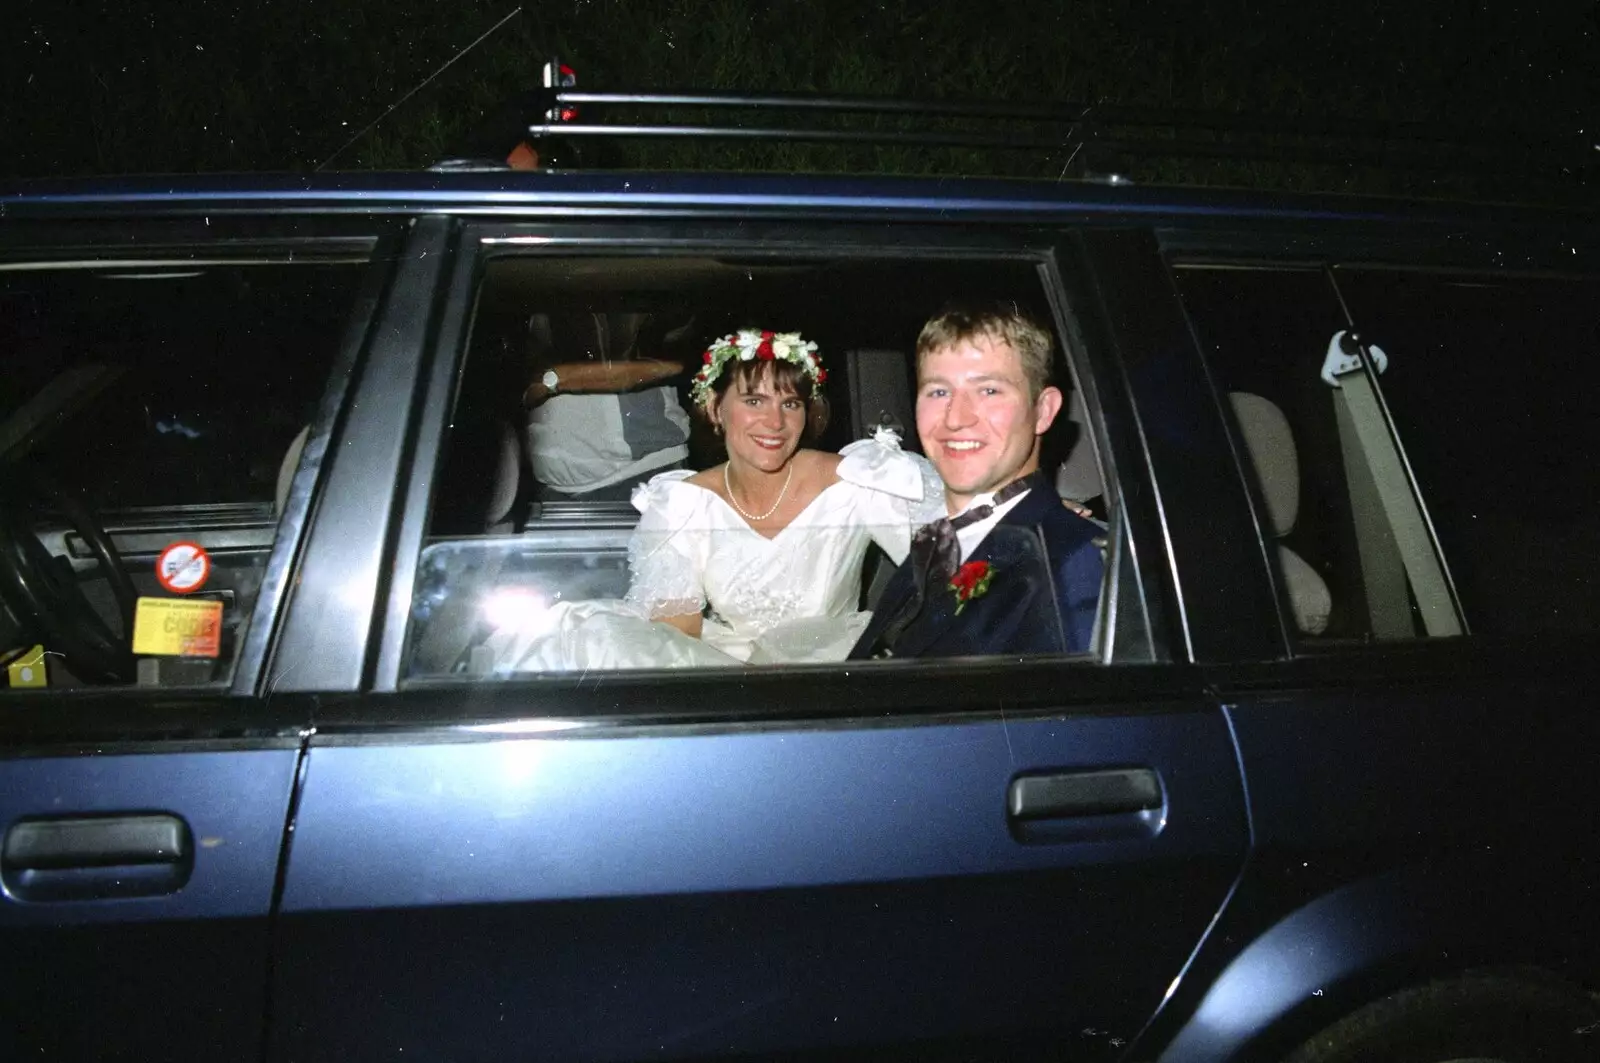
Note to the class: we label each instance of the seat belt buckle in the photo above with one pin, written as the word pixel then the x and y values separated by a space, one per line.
pixel 1344 356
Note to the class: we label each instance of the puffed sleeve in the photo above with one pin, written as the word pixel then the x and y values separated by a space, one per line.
pixel 901 491
pixel 665 561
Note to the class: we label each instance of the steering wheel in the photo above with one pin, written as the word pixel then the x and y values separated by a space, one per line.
pixel 45 597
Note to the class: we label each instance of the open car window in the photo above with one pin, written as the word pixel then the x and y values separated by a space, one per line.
pixel 1393 491
pixel 537 560
pixel 152 417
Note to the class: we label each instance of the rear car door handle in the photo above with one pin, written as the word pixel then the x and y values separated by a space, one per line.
pixel 1111 802
pixel 79 858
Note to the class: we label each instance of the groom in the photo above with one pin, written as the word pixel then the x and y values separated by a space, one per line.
pixel 1011 570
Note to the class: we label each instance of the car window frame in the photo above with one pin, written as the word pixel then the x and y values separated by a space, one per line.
pixel 1051 252
pixel 324 633
pixel 1470 249
pixel 122 240
pixel 1356 314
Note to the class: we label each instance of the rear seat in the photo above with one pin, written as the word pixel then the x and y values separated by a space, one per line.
pixel 1270 444
pixel 1078 479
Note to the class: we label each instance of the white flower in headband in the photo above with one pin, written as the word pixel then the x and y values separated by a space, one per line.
pixel 749 345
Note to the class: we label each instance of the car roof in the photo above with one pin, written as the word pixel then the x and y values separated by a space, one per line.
pixel 743 194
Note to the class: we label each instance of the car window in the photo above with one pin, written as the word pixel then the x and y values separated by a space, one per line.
pixel 1264 333
pixel 164 404
pixel 1485 384
pixel 1393 501
pixel 537 559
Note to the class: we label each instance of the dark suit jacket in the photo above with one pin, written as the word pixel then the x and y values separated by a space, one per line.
pixel 1043 594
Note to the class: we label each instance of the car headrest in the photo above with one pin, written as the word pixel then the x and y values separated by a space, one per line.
pixel 508 466
pixel 881 391
pixel 1079 477
pixel 1310 602
pixel 1270 444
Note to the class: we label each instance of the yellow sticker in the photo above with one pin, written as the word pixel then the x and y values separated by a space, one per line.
pixel 177 627
pixel 29 669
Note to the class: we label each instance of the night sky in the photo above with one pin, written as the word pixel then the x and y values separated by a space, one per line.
pixel 208 86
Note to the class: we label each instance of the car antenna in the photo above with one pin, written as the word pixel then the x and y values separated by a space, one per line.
pixel 490 32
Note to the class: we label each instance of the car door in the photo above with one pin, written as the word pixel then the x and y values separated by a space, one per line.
pixel 920 859
pixel 1438 648
pixel 143 810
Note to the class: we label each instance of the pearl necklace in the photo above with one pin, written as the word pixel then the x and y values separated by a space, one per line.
pixel 751 517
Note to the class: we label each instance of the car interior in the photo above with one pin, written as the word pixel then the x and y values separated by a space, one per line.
pixel 150 405
pixel 493 531
pixel 170 402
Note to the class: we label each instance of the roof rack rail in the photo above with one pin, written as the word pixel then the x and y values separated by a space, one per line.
pixel 1098 135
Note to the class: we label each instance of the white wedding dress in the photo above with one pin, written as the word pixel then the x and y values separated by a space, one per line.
pixel 790 598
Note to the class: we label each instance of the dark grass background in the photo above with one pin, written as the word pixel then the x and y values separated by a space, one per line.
pixel 273 85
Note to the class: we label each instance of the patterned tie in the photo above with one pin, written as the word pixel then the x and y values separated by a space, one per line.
pixel 935 555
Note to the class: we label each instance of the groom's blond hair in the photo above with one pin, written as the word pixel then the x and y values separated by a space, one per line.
pixel 997 322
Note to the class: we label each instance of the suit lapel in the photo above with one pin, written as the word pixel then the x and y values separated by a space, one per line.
pixel 939 613
pixel 895 592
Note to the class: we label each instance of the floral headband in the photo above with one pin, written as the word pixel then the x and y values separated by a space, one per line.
pixel 751 345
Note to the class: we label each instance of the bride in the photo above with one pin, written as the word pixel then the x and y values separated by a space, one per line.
pixel 758 559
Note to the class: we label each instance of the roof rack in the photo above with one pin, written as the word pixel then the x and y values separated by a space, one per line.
pixel 1094 137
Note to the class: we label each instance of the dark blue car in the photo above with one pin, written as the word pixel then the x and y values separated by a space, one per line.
pixel 1324 789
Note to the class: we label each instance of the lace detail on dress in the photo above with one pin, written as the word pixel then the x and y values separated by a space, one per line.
pixel 760 609
pixel 664 574
pixel 663 581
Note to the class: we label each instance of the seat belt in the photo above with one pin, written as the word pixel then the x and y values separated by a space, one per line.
pixel 1392 535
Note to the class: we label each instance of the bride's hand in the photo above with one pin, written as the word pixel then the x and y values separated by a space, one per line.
pixel 689 623
pixel 1077 507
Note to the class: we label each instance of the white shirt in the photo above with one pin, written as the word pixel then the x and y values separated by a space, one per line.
pixel 969 537
pixel 584 442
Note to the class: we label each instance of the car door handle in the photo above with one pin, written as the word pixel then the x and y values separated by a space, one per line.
pixel 76 858
pixel 1073 794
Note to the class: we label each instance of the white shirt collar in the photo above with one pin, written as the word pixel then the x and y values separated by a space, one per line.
pixel 973 534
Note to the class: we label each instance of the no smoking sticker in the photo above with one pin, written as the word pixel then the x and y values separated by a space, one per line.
pixel 183 568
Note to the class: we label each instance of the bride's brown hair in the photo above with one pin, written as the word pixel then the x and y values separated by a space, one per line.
pixel 786 378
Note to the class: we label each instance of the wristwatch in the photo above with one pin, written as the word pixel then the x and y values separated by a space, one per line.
pixel 550 380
